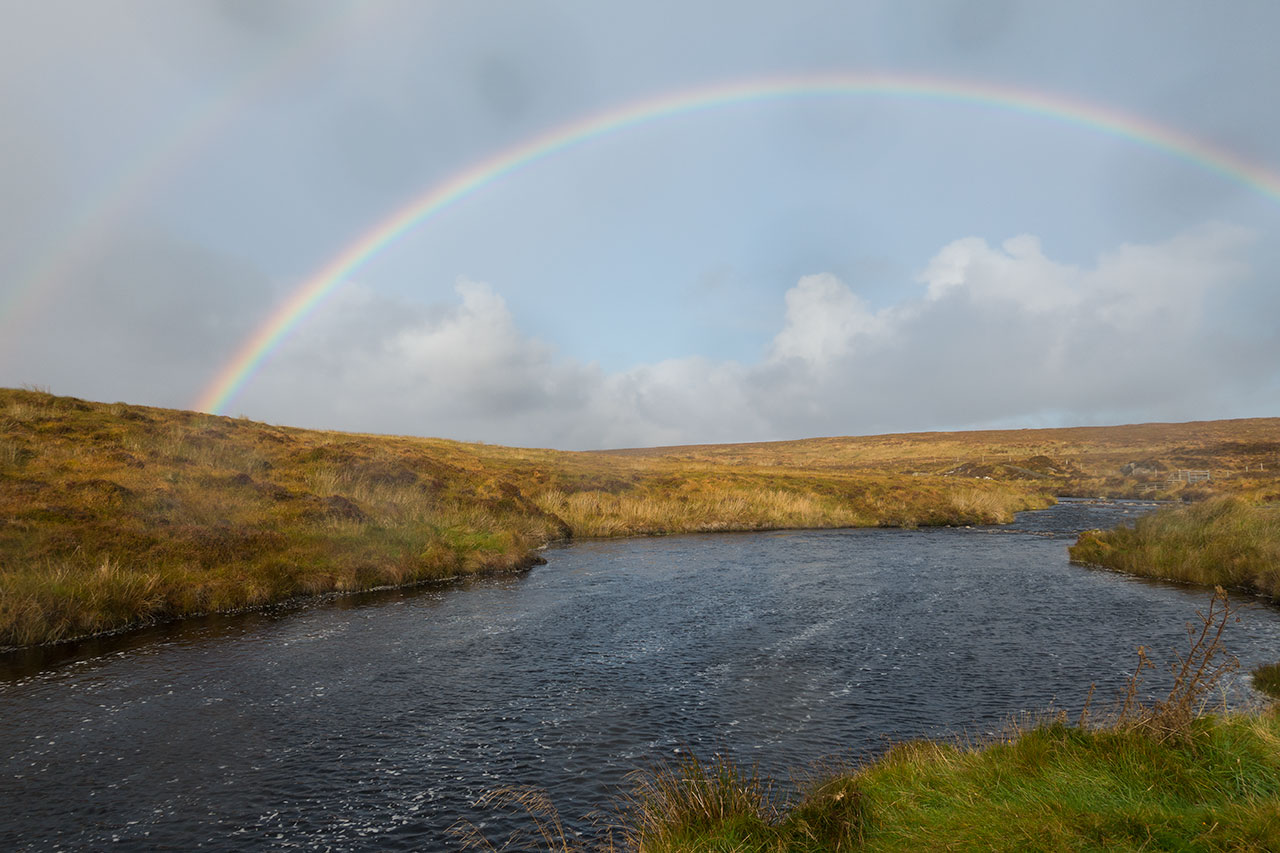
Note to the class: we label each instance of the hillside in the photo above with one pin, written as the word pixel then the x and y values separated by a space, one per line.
pixel 114 515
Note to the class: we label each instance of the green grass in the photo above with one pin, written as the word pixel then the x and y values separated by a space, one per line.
pixel 1153 775
pixel 1054 787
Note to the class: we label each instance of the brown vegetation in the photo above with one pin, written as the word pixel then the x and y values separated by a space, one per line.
pixel 114 515
pixel 1223 541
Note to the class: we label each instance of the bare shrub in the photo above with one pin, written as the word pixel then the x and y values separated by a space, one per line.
pixel 1196 672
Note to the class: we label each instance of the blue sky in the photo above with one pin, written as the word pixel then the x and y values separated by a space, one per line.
pixel 170 172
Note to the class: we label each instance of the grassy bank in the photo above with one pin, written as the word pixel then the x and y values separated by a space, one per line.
pixel 114 515
pixel 1152 774
pixel 1055 787
pixel 1224 541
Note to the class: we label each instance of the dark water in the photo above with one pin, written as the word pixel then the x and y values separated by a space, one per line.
pixel 372 724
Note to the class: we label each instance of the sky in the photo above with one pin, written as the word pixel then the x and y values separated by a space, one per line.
pixel 172 175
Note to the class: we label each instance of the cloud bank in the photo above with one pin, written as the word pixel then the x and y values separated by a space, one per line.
pixel 987 335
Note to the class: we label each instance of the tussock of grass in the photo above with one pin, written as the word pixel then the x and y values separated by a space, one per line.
pixel 1223 541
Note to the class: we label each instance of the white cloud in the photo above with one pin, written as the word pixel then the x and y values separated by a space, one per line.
pixel 1020 274
pixel 996 335
pixel 823 319
pixel 999 335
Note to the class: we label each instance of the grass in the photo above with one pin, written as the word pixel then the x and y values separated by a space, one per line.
pixel 1266 678
pixel 1152 775
pixel 113 515
pixel 1054 787
pixel 1223 541
pixel 117 515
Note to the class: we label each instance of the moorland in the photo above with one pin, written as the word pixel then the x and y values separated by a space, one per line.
pixel 116 515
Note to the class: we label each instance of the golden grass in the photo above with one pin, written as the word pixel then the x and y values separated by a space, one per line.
pixel 114 515
pixel 1223 541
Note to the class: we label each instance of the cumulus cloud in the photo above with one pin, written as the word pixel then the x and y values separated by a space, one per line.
pixel 823 318
pixel 995 335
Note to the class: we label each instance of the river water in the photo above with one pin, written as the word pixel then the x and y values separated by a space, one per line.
pixel 374 722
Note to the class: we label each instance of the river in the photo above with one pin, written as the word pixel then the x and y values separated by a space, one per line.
pixel 373 722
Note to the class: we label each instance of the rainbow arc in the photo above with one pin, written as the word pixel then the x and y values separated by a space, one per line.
pixel 250 355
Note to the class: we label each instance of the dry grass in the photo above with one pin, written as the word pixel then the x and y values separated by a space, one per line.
pixel 114 515
pixel 1224 541
pixel 1266 678
pixel 542 828
pixel 1196 673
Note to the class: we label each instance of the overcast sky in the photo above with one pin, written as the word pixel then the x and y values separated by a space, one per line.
pixel 171 172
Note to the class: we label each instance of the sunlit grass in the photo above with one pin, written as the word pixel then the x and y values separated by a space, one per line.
pixel 1222 541
pixel 195 513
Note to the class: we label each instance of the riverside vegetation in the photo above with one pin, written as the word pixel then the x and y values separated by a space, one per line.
pixel 1226 541
pixel 113 515
pixel 1147 775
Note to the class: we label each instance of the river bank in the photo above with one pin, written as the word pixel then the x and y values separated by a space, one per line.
pixel 1054 787
pixel 118 516
pixel 1144 773
pixel 1223 541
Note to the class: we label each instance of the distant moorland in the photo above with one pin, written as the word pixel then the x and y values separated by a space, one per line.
pixel 116 515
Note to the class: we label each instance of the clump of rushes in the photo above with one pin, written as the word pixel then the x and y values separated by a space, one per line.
pixel 1223 541
pixel 678 805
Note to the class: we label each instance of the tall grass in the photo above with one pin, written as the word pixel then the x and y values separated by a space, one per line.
pixel 1223 541
pixel 743 503
pixel 115 516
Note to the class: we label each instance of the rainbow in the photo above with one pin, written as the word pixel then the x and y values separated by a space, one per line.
pixel 250 355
